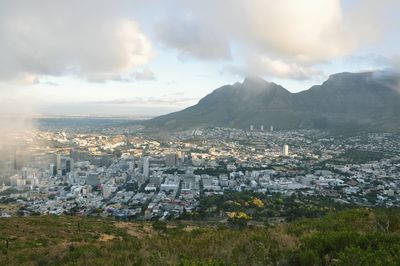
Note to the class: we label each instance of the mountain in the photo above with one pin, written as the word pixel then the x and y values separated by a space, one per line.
pixel 345 102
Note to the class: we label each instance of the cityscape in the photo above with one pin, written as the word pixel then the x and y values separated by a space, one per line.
pixel 200 133
pixel 141 177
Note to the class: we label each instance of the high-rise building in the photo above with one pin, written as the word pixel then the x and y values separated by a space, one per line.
pixel 181 157
pixel 262 127
pixel 285 150
pixel 69 165
pixel 52 170
pixel 171 160
pixel 251 127
pixel 271 128
pixel 18 159
pixel 74 154
pixel 146 166
pixel 58 161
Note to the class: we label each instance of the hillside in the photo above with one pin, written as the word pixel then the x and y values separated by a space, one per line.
pixel 352 237
pixel 345 102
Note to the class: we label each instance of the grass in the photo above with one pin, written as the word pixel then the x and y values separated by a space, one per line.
pixel 374 235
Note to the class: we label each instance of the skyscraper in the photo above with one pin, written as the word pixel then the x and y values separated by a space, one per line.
pixel 146 166
pixel 285 150
pixel 74 154
pixel 69 165
pixel 58 161
pixel 52 170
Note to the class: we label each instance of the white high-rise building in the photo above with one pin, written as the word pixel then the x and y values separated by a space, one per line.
pixel 285 150
pixel 271 128
pixel 146 166
pixel 251 127
pixel 58 161
pixel 262 127
pixel 52 170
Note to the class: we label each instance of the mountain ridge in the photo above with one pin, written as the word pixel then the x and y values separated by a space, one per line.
pixel 344 102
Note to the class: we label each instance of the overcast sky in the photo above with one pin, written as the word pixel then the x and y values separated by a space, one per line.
pixel 156 56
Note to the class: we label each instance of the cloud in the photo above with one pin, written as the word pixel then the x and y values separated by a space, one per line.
pixel 266 66
pixel 192 37
pixel 304 31
pixel 102 40
pixel 145 74
pixel 284 38
pixel 138 75
pixel 82 38
pixel 16 111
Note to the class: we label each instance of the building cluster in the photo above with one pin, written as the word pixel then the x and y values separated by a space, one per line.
pixel 145 177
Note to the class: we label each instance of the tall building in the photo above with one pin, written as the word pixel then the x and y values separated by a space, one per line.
pixel 262 127
pixel 181 157
pixel 271 128
pixel 285 150
pixel 131 165
pixel 74 154
pixel 146 166
pixel 58 161
pixel 251 127
pixel 69 165
pixel 52 170
pixel 17 159
pixel 171 160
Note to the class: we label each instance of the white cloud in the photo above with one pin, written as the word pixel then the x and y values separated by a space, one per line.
pixel 287 38
pixel 266 66
pixel 307 30
pixel 100 40
pixel 89 39
pixel 145 74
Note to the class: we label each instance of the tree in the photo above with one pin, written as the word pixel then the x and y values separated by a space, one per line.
pixel 160 226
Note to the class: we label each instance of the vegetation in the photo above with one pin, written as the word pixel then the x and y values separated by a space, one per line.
pixel 350 237
pixel 263 207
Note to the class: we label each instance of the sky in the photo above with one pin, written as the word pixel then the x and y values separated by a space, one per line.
pixel 146 58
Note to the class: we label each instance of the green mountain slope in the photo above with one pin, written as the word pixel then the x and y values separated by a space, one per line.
pixel 346 101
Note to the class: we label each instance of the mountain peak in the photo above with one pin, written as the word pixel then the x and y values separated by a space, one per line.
pixel 251 81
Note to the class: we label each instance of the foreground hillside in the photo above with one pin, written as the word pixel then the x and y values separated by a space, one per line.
pixel 352 237
pixel 345 102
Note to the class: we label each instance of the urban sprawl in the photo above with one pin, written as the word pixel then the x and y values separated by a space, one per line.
pixel 134 174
